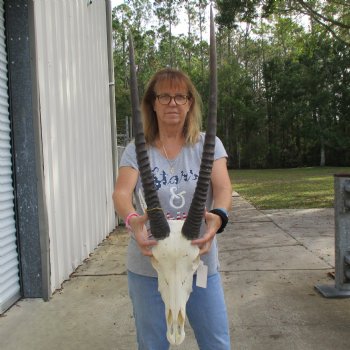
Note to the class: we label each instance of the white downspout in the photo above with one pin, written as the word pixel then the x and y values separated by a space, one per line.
pixel 111 88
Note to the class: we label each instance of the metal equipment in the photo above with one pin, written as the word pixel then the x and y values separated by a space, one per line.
pixel 341 289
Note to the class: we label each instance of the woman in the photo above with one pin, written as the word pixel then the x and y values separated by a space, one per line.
pixel 171 110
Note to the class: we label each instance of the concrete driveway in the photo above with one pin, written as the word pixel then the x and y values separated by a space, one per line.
pixel 270 263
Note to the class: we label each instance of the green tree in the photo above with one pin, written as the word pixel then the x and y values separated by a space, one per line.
pixel 284 92
pixel 333 15
pixel 166 14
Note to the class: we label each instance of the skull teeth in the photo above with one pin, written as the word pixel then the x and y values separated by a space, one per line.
pixel 175 333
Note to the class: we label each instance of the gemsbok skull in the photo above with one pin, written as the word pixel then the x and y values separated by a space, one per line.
pixel 174 257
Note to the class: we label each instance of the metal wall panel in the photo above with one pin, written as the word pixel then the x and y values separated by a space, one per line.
pixel 9 272
pixel 71 46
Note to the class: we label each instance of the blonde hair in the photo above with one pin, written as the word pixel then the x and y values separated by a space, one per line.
pixel 193 122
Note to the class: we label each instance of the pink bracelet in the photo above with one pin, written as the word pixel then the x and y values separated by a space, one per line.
pixel 127 224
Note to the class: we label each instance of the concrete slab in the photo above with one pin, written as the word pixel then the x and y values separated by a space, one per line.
pixel 281 310
pixel 88 313
pixel 108 258
pixel 245 212
pixel 313 228
pixel 262 234
pixel 270 260
pixel 267 259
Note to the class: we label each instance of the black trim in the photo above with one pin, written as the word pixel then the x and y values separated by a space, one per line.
pixel 21 81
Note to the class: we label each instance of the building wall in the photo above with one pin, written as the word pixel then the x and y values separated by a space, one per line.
pixel 74 111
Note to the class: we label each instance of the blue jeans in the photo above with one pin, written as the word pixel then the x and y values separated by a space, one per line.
pixel 205 309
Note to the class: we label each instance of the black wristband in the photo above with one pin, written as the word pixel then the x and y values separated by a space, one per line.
pixel 223 216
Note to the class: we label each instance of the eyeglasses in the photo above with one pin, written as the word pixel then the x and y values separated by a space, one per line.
pixel 164 99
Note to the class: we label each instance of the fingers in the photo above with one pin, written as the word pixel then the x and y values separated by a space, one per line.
pixel 204 243
pixel 143 239
pixel 205 248
pixel 213 224
pixel 146 248
pixel 144 242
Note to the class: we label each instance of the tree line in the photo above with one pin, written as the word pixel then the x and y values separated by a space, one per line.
pixel 283 73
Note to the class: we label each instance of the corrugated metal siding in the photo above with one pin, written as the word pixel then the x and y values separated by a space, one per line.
pixel 9 277
pixel 71 44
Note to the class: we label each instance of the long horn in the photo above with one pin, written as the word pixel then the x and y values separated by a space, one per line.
pixel 158 223
pixel 191 227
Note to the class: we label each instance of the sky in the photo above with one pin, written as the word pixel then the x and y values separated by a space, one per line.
pixel 180 29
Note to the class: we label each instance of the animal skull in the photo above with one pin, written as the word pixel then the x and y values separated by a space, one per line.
pixel 175 260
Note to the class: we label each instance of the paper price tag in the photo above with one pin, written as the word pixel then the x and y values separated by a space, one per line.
pixel 202 275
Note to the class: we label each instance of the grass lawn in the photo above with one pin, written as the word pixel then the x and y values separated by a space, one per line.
pixel 295 188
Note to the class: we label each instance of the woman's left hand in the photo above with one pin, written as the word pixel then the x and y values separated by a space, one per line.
pixel 213 222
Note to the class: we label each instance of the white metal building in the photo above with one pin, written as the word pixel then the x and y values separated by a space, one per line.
pixel 57 132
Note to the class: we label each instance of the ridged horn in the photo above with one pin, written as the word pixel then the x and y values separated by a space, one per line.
pixel 191 227
pixel 158 223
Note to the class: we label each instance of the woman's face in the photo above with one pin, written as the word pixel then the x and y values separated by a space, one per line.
pixel 174 112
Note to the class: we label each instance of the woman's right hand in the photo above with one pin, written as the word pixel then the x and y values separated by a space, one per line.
pixel 142 237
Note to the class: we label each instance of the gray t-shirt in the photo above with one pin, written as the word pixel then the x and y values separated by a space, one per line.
pixel 175 191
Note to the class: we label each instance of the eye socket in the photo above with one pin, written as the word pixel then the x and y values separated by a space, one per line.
pixel 180 99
